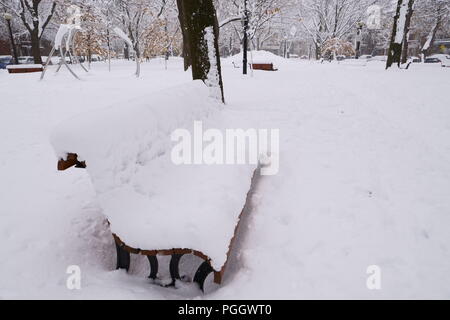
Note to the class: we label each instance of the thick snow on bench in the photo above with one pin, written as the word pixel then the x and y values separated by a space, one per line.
pixel 24 66
pixel 262 62
pixel 150 202
pixel 258 57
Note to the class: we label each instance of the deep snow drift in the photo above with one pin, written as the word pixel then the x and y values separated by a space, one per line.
pixel 364 179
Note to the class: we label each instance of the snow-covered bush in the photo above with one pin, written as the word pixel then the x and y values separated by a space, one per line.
pixel 335 46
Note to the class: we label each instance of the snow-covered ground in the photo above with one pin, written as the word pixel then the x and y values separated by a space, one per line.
pixel 364 180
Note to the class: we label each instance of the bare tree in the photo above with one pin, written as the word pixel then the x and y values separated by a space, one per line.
pixel 261 14
pixel 432 15
pixel 400 31
pixel 330 19
pixel 35 15
pixel 200 31
pixel 137 16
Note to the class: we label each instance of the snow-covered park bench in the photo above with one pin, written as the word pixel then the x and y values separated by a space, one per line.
pixel 263 65
pixel 25 68
pixel 155 207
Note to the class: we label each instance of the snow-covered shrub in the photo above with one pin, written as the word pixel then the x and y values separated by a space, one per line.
pixel 335 46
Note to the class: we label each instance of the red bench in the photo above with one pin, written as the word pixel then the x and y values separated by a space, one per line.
pixel 263 66
pixel 25 68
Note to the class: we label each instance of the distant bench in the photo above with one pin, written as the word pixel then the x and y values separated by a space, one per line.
pixel 266 66
pixel 25 68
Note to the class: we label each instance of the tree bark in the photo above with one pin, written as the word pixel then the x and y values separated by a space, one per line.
pixel 406 32
pixel 126 52
pixel 317 50
pixel 195 18
pixel 396 47
pixel 137 51
pixel 36 46
pixel 432 36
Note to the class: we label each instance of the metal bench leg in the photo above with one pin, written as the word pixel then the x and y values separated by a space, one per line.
pixel 202 273
pixel 174 267
pixel 153 267
pixel 123 258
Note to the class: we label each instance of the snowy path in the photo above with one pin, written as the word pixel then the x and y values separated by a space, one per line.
pixel 364 180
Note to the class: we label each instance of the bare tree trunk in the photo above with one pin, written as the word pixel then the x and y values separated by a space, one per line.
pixel 432 35
pixel 406 32
pixel 399 32
pixel 395 49
pixel 317 51
pixel 36 46
pixel 126 52
pixel 405 50
pixel 196 17
pixel 89 56
pixel 108 41
pixel 137 51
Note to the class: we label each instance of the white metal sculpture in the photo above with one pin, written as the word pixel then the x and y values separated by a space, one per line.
pixel 65 43
pixel 125 38
pixel 67 32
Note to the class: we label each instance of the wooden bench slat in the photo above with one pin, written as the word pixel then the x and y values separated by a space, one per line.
pixel 70 161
